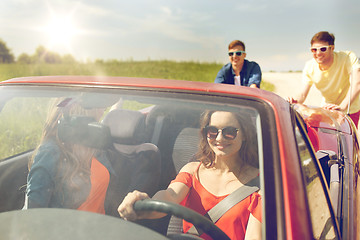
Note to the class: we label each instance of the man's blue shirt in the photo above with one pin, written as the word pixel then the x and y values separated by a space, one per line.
pixel 250 74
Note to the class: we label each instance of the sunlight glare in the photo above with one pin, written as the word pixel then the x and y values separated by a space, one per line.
pixel 61 30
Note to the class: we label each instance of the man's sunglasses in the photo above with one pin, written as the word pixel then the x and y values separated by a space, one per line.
pixel 322 49
pixel 238 53
pixel 228 133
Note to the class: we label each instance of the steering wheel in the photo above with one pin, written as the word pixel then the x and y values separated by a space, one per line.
pixel 187 214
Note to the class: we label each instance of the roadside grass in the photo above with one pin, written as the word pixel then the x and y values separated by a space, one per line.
pixel 21 122
pixel 191 71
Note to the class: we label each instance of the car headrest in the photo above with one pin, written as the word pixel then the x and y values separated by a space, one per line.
pixel 126 126
pixel 185 116
pixel 84 130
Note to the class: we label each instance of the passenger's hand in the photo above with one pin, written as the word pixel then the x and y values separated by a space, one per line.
pixel 329 106
pixel 126 209
pixel 291 100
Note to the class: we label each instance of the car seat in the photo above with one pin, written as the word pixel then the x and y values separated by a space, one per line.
pixel 185 147
pixel 136 163
pixel 176 132
pixel 164 124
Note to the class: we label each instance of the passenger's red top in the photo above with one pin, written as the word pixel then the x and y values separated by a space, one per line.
pixel 100 178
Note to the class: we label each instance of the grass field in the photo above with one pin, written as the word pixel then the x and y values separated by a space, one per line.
pixel 191 71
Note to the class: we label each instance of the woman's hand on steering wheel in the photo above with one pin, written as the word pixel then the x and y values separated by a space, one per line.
pixel 126 208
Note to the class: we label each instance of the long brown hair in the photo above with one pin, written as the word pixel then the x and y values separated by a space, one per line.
pixel 249 148
pixel 73 167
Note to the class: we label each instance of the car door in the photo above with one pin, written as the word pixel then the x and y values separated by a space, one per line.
pixel 347 198
pixel 323 221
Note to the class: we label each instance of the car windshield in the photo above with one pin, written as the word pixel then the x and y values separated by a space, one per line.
pixel 24 112
pixel 143 137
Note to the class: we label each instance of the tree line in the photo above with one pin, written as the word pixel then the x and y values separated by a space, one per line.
pixel 41 55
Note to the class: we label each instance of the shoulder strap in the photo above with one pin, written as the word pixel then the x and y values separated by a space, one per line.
pixel 227 203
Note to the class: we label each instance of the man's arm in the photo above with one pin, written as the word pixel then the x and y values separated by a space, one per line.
pixel 220 77
pixel 255 76
pixel 354 90
pixel 301 97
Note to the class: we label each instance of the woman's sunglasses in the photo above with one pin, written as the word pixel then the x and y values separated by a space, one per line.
pixel 322 49
pixel 238 53
pixel 228 133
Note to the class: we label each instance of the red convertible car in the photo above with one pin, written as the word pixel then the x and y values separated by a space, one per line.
pixel 149 128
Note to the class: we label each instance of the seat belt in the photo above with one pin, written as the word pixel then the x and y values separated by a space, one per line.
pixel 215 213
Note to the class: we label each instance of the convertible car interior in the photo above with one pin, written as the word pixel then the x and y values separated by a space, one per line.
pixel 146 147
pixel 149 133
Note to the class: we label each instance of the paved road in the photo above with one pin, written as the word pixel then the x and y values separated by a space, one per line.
pixel 289 84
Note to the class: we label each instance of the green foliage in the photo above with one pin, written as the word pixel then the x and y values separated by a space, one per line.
pixel 45 63
pixel 24 58
pixel 5 54
pixel 43 55
pixel 267 86
pixel 191 71
pixel 21 124
pixel 134 105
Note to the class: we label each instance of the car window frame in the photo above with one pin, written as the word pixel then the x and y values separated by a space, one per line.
pixel 300 123
pixel 346 206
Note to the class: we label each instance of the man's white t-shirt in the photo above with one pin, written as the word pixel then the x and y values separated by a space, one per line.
pixel 237 80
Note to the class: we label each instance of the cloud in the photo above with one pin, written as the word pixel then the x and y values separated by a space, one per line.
pixel 172 23
pixel 276 32
pixel 94 10
pixel 304 56
pixel 248 6
pixel 166 10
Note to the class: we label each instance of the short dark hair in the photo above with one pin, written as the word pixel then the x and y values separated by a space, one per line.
pixel 323 37
pixel 237 43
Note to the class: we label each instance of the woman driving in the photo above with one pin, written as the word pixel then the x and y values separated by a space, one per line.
pixel 228 160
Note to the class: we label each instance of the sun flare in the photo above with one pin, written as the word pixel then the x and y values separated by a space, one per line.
pixel 61 30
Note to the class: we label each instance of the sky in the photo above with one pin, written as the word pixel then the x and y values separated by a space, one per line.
pixel 276 33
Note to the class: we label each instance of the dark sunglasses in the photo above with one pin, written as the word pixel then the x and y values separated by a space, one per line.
pixel 228 133
pixel 322 49
pixel 238 53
